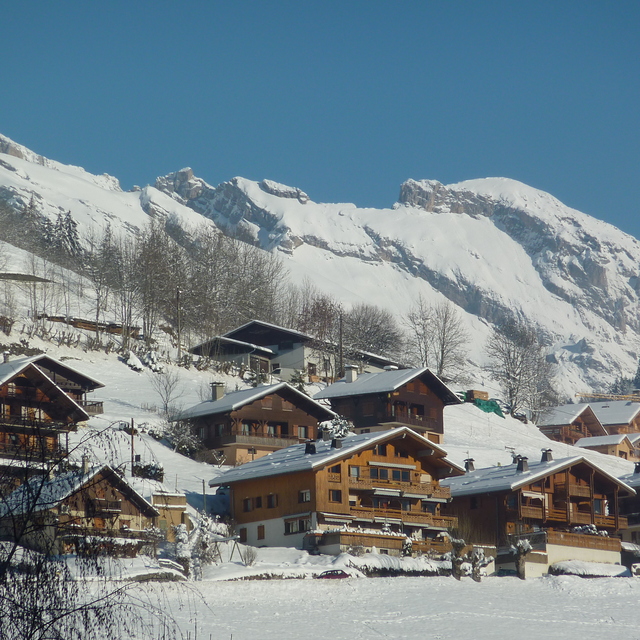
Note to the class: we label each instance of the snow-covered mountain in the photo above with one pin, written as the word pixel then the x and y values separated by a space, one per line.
pixel 495 247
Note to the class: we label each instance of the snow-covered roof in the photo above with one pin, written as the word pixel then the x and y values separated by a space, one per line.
pixel 599 441
pixel 40 493
pixel 237 399
pixel 294 459
pixel 268 325
pixel 508 478
pixel 615 411
pixel 385 382
pixel 562 415
pixel 13 367
pixel 239 343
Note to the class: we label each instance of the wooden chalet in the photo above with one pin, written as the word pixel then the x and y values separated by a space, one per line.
pixel 630 509
pixel 379 489
pixel 570 422
pixel 41 401
pixel 248 424
pixel 619 446
pixel 550 503
pixel 618 416
pixel 269 349
pixel 392 398
pixel 88 510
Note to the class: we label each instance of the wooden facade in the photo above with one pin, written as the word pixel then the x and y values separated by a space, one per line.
pixel 388 487
pixel 575 495
pixel 92 511
pixel 417 403
pixel 569 424
pixel 259 426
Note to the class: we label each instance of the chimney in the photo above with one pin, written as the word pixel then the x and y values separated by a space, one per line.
pixel 523 464
pixel 336 443
pixel 546 455
pixel 5 356
pixel 351 373
pixel 390 367
pixel 326 434
pixel 469 466
pixel 85 465
pixel 217 390
pixel 309 448
pixel 636 469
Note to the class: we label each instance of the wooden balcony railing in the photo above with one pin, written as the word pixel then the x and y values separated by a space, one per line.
pixel 92 407
pixel 262 439
pixel 100 505
pixel 33 452
pixel 430 489
pixel 413 420
pixel 540 539
pixel 574 490
pixel 419 517
pixel 25 422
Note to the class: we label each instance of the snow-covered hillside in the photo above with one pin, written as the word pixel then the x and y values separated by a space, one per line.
pixel 494 247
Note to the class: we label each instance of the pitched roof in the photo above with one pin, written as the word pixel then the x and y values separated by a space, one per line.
pixel 13 367
pixel 508 478
pixel 562 415
pixel 385 382
pixel 238 399
pixel 599 441
pixel 615 411
pixel 294 459
pixel 40 493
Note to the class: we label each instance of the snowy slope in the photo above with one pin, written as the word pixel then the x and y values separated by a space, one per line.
pixel 495 247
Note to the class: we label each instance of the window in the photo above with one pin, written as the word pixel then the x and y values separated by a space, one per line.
pixel 400 476
pixel 260 532
pixel 511 501
pixel 287 406
pixel 401 453
pixel 334 469
pixel 378 474
pixel 219 430
pixel 304 496
pixel 243 534
pixel 303 432
pixel 335 495
pixel 271 429
pixel 380 450
pixel 429 507
pixel 246 429
pixel 267 402
pixel 312 369
pixel 272 501
pixel 296 526
pixel 354 472
pixel 257 502
pixel 247 504
pixel 597 506
pixel 406 505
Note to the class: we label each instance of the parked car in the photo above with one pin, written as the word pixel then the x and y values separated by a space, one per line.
pixel 333 574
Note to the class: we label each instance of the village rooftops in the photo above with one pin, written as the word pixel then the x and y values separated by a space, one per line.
pixel 508 477
pixel 238 399
pixel 599 441
pixel 40 494
pixel 615 411
pixel 386 382
pixel 561 415
pixel 295 458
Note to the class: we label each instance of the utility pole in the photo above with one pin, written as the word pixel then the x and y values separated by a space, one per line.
pixel 132 451
pixel 340 346
pixel 204 498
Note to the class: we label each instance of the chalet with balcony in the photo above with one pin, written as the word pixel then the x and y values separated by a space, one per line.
pixel 247 424
pixel 630 509
pixel 379 489
pixel 267 348
pixel 551 503
pixel 618 416
pixel 41 401
pixel 569 423
pixel 87 510
pixel 392 398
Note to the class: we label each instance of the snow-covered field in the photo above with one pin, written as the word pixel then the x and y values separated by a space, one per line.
pixel 411 608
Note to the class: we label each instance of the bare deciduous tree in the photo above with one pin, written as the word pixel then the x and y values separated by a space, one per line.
pixel 519 365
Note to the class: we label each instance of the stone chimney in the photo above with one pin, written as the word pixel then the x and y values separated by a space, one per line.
pixel 469 466
pixel 523 464
pixel 217 390
pixel 546 455
pixel 351 373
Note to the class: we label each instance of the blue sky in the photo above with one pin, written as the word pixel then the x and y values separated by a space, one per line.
pixel 345 100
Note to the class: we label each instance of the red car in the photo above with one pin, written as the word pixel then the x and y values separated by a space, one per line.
pixel 333 574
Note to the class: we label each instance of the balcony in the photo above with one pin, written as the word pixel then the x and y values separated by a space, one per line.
pixel 263 439
pixel 99 506
pixel 574 490
pixel 428 489
pixel 413 420
pixel 418 517
pixel 92 407
pixel 28 425
pixel 540 539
